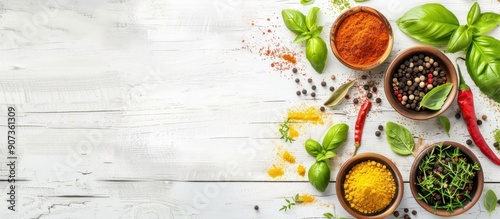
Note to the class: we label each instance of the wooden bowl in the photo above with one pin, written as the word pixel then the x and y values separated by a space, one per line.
pixel 338 22
pixel 478 180
pixel 445 64
pixel 349 164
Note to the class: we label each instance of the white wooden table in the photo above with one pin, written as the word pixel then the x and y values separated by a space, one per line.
pixel 167 109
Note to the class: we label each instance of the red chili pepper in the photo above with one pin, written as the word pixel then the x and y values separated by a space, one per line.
pixel 360 123
pixel 466 104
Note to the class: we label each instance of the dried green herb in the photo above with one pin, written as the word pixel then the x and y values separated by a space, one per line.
pixel 339 94
pixel 284 131
pixel 295 200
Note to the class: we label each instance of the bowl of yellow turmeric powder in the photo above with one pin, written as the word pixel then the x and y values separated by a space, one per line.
pixel 369 185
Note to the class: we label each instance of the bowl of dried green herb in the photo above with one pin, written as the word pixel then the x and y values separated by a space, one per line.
pixel 446 179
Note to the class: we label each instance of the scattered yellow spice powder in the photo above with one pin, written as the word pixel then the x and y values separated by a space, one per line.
pixel 307 198
pixel 369 187
pixel 292 132
pixel 311 114
pixel 288 157
pixel 275 171
pixel 301 170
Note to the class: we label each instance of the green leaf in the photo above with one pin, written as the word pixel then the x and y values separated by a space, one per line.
pixel 335 136
pixel 490 201
pixel 302 37
pixel 497 136
pixel 316 32
pixel 430 23
pixel 483 64
pixel 325 156
pixel 306 2
pixel 435 98
pixel 445 122
pixel 319 175
pixel 312 18
pixel 460 40
pixel 486 22
pixel 294 20
pixel 360 0
pixel 328 215
pixel 313 147
pixel 316 53
pixel 400 139
pixel 474 14
pixel 339 94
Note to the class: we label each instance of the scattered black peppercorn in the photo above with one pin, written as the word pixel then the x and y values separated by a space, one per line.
pixel 347 96
pixel 396 214
pixel 496 145
pixel 468 142
pixel 406 217
pixel 322 109
pixel 364 77
pixel 298 93
pixel 313 94
pixel 406 210
pixel 414 212
pixel 378 100
pixel 457 116
pixel 310 80
pixel 256 207
pixel 479 122
pixel 313 87
pixel 294 70
pixel 366 87
pixel 369 95
pixel 304 91
pixel 374 89
pixel 297 80
pixel 377 133
pixel 323 83
pixel 355 101
pixel 380 127
pixel 332 88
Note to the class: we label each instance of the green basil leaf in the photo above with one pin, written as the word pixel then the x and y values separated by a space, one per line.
pixel 399 138
pixel 339 94
pixel 460 40
pixel 306 2
pixel 316 53
pixel 313 147
pixel 497 135
pixel 486 22
pixel 312 18
pixel 328 215
pixel 302 37
pixel 360 0
pixel 319 175
pixel 435 98
pixel 490 201
pixel 483 64
pixel 294 20
pixel 430 23
pixel 445 122
pixel 335 136
pixel 326 156
pixel 474 14
pixel 316 32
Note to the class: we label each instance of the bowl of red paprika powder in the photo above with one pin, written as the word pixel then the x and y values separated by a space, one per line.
pixel 361 38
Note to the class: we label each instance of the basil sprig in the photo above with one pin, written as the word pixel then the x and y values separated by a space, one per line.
pixel 490 201
pixel 434 24
pixel 319 172
pixel 307 29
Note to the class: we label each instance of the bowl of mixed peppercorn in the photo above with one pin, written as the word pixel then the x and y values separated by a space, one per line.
pixel 413 74
pixel 446 179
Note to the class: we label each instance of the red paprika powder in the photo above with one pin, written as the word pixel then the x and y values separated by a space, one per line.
pixel 361 39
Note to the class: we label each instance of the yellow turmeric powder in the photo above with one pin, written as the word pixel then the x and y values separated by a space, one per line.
pixel 301 170
pixel 311 114
pixel 369 187
pixel 275 172
pixel 292 132
pixel 288 157
pixel 306 198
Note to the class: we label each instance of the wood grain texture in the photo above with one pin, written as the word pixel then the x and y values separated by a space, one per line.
pixel 169 109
